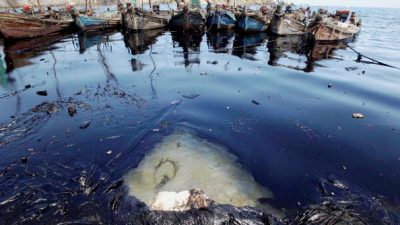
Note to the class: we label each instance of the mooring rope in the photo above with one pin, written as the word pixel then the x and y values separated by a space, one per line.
pixel 360 56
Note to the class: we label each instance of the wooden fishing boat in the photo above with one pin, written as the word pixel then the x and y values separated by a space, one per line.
pixel 254 21
pixel 94 23
pixel 332 30
pixel 192 20
pixel 136 19
pixel 19 26
pixel 220 19
pixel 250 23
pixel 282 24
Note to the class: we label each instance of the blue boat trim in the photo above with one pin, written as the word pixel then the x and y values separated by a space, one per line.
pixel 221 20
pixel 249 24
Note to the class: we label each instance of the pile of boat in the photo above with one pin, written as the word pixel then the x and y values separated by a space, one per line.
pixel 280 20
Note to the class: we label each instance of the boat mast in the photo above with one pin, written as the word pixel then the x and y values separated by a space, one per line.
pixel 40 6
pixel 9 3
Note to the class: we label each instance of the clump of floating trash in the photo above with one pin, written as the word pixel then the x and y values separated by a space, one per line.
pixel 183 161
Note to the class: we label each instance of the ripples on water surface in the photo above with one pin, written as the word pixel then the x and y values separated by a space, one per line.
pixel 265 99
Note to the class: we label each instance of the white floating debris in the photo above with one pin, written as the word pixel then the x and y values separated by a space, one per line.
pixel 358 116
pixel 109 152
pixel 181 201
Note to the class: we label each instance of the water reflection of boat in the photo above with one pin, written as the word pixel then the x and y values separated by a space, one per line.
pixel 190 43
pixel 17 52
pixel 139 42
pixel 88 40
pixel 220 41
pixel 326 51
pixel 101 40
pixel 281 48
pixel 245 46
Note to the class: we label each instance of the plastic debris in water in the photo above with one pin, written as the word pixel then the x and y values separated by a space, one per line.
pixel 84 125
pixel 358 116
pixel 42 93
pixel 183 161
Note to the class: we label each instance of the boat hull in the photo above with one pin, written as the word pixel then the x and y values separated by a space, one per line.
pixel 92 23
pixel 285 26
pixel 250 24
pixel 191 20
pixel 220 20
pixel 17 26
pixel 137 21
pixel 329 32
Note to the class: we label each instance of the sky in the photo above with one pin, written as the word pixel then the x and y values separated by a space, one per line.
pixel 351 3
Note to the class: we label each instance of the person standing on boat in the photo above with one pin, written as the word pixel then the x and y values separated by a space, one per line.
pixel 208 7
pixel 263 14
pixel 354 19
pixel 307 13
pixel 180 4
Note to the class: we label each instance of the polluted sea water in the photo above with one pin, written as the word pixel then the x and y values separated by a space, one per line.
pixel 183 161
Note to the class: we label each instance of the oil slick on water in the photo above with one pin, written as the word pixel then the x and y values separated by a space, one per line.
pixel 183 161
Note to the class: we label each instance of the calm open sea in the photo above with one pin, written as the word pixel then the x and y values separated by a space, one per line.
pixel 265 99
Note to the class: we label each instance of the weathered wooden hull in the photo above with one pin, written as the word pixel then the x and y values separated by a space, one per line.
pixel 191 20
pixel 284 26
pixel 250 24
pixel 17 26
pixel 333 32
pixel 221 20
pixel 92 23
pixel 137 21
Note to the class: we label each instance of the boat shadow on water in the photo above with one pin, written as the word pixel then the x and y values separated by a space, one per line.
pixel 190 47
pixel 290 50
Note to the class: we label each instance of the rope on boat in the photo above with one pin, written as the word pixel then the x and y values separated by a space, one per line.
pixel 360 56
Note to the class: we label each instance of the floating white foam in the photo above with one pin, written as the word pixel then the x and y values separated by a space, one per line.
pixel 183 161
